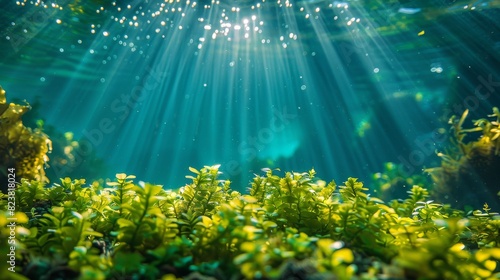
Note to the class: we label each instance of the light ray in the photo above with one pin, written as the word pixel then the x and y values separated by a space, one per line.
pixel 157 86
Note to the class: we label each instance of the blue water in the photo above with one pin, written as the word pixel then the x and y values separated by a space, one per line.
pixel 153 87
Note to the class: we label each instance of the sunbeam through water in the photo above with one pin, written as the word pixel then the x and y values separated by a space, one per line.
pixel 153 87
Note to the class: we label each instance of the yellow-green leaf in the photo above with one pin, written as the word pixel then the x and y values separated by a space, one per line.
pixel 269 224
pixel 192 169
pixel 343 255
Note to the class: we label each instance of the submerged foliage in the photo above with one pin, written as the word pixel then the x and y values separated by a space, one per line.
pixel 21 147
pixel 470 164
pixel 26 141
pixel 288 225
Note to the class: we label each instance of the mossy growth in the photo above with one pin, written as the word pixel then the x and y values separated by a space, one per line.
pixel 21 147
pixel 288 226
pixel 27 149
pixel 470 166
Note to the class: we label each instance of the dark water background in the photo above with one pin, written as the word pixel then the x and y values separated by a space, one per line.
pixel 342 90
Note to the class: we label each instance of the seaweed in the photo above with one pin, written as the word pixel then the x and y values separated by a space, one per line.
pixel 470 166
pixel 27 149
pixel 21 147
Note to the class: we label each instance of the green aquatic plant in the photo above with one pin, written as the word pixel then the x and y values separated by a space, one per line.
pixel 69 155
pixel 485 228
pixel 21 147
pixel 33 192
pixel 443 256
pixel 61 231
pixel 470 164
pixel 200 198
pixel 26 149
pixel 144 226
pixel 291 200
pixel 289 225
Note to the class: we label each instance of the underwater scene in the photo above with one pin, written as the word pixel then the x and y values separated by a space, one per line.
pixel 250 139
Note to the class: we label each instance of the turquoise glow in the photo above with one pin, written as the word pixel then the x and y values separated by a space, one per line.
pixel 154 87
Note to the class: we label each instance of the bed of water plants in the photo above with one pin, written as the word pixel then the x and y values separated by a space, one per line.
pixel 288 225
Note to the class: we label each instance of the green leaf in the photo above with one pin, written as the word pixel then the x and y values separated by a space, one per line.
pixel 192 169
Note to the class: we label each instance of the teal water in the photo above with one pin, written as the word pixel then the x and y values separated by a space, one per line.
pixel 153 87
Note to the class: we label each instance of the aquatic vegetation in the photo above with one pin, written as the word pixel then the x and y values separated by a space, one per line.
pixel 146 82
pixel 470 164
pixel 288 225
pixel 21 147
pixel 27 149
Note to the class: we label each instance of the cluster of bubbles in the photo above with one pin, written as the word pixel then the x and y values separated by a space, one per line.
pixel 99 26
pixel 165 19
pixel 436 68
pixel 262 21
